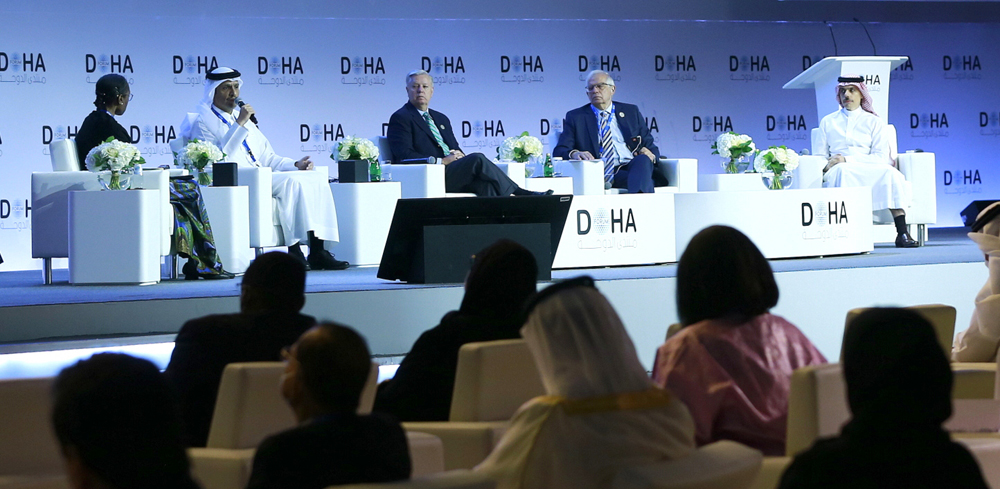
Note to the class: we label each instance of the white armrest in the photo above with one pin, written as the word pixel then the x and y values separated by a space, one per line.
pixel 515 171
pixel 221 468
pixel 50 209
pixel 682 173
pixel 419 180
pixel 466 443
pixel 258 183
pixel 809 173
pixel 588 175
pixel 160 180
pixel 919 170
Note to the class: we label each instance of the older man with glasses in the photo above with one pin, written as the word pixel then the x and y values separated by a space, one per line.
pixel 614 132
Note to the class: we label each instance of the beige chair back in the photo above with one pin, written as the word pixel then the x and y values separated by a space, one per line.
pixel 817 406
pixel 493 379
pixel 27 445
pixel 941 317
pixel 723 465
pixel 63 155
pixel 249 406
pixel 454 479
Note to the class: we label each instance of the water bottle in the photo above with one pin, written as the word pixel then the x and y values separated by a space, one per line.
pixel 136 181
pixel 549 170
pixel 374 171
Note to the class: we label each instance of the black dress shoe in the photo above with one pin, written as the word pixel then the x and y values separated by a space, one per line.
pixel 296 252
pixel 905 241
pixel 223 275
pixel 531 192
pixel 191 273
pixel 324 260
pixel 190 270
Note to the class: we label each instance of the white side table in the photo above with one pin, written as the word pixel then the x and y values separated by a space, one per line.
pixel 364 214
pixel 559 185
pixel 730 182
pixel 588 175
pixel 114 237
pixel 229 212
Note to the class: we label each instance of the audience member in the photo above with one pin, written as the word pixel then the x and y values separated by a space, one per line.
pixel 979 343
pixel 272 294
pixel 899 390
pixel 502 278
pixel 601 413
pixel 117 423
pixel 325 373
pixel 733 360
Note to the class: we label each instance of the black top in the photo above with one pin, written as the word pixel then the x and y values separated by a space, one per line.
pixel 333 450
pixel 203 348
pixel 97 128
pixel 422 387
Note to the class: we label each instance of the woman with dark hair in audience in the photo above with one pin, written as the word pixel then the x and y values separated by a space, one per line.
pixel 733 360
pixel 601 412
pixel 899 390
pixel 117 423
pixel 501 279
pixel 192 238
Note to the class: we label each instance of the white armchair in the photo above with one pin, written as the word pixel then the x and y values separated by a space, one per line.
pixel 50 204
pixel 917 168
pixel 423 180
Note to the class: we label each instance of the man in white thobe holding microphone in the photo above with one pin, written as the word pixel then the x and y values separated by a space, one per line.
pixel 305 209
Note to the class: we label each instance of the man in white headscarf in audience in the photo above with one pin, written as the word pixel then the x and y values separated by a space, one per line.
pixel 602 412
pixel 979 343
pixel 305 210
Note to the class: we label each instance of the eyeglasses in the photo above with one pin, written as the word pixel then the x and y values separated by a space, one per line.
pixel 599 86
pixel 130 97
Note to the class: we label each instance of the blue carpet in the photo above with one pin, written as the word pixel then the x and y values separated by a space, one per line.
pixel 23 288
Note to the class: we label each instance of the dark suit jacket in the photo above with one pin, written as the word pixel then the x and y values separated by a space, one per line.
pixel 204 347
pixel 333 450
pixel 580 131
pixel 410 137
pixel 96 128
pixel 422 387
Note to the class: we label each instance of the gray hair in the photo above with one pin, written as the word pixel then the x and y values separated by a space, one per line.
pixel 611 81
pixel 415 73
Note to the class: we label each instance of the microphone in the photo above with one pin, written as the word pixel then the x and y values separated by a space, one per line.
pixel 874 51
pixel 430 160
pixel 804 152
pixel 828 24
pixel 253 117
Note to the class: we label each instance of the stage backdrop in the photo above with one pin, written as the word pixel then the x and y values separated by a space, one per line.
pixel 316 80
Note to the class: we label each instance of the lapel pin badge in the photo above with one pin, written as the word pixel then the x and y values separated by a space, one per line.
pixel 442 126
pixel 621 114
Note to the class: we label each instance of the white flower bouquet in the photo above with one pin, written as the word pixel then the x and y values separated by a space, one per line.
pixel 114 156
pixel 355 148
pixel 777 160
pixel 732 146
pixel 520 148
pixel 196 156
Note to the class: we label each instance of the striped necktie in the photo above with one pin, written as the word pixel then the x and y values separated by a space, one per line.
pixel 607 147
pixel 437 134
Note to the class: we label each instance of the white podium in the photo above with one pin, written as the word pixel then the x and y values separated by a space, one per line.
pixel 229 212
pixel 114 237
pixel 364 214
pixel 822 77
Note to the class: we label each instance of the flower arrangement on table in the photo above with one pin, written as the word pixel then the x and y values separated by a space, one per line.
pixel 777 160
pixel 732 146
pixel 359 149
pixel 520 148
pixel 114 156
pixel 196 156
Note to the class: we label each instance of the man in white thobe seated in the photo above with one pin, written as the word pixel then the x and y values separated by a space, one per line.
pixel 855 142
pixel 305 209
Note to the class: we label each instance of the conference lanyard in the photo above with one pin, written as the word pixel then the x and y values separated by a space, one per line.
pixel 245 145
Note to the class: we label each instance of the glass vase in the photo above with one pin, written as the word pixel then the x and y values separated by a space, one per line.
pixel 737 165
pixel 204 178
pixel 114 180
pixel 777 180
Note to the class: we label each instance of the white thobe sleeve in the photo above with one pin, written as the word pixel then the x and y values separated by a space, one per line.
pixel 229 142
pixel 821 146
pixel 267 156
